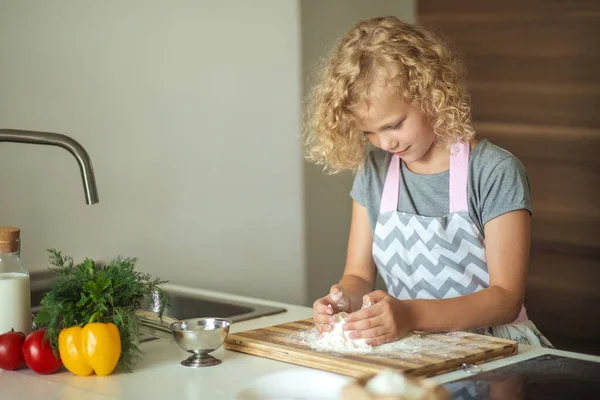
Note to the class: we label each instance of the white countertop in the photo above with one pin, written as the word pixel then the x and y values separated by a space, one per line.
pixel 160 376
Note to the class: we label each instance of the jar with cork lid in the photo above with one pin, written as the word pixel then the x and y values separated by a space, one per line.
pixel 15 298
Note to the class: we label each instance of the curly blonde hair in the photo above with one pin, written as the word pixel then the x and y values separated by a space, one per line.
pixel 413 60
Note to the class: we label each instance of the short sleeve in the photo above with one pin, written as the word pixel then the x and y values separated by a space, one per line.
pixel 359 188
pixel 506 189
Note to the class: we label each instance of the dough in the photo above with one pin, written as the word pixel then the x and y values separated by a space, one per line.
pixel 338 340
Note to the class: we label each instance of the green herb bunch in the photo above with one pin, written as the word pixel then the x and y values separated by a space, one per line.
pixel 87 293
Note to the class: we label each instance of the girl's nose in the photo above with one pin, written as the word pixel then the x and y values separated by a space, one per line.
pixel 388 144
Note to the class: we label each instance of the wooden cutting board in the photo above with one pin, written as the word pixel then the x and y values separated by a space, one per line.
pixel 431 354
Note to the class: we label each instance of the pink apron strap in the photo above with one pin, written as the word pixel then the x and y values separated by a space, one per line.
pixel 389 197
pixel 459 172
pixel 522 317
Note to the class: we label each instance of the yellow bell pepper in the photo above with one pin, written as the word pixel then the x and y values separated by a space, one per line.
pixel 94 348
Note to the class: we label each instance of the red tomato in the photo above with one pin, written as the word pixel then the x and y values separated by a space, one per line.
pixel 11 353
pixel 38 353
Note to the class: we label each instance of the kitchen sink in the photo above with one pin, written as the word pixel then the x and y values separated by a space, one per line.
pixel 186 306
pixel 182 306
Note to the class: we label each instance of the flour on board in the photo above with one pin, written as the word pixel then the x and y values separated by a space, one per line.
pixel 337 339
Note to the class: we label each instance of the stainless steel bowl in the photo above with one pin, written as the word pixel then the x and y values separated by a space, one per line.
pixel 200 336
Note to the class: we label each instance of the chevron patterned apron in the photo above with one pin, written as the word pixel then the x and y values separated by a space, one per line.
pixel 423 257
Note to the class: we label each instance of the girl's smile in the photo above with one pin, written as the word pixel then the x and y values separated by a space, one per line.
pixel 403 152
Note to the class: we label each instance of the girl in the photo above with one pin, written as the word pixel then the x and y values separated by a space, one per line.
pixel 442 216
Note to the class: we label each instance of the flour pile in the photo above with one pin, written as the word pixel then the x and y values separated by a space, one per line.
pixel 337 340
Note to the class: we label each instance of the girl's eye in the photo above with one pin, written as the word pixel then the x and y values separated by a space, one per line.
pixel 397 126
pixel 367 133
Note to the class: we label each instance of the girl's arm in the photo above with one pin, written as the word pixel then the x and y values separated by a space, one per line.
pixel 507 252
pixel 359 274
pixel 360 271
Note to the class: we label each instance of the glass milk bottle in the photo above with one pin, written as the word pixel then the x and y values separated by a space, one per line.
pixel 15 298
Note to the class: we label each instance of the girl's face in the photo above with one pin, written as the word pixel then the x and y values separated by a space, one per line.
pixel 395 126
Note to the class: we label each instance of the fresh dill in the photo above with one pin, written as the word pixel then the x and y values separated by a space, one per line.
pixel 87 292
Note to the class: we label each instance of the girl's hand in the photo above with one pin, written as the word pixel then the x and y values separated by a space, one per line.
pixel 382 319
pixel 324 308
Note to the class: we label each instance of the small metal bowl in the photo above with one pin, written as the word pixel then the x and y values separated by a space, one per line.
pixel 200 336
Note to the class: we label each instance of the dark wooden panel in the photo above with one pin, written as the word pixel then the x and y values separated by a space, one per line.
pixel 563 186
pixel 547 69
pixel 567 318
pixel 528 8
pixel 556 143
pixel 562 295
pixel 553 35
pixel 536 107
pixel 566 229
pixel 552 261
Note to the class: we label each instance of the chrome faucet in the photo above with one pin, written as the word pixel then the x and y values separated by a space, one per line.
pixel 57 139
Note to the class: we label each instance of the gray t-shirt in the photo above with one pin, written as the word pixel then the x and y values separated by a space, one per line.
pixel 498 184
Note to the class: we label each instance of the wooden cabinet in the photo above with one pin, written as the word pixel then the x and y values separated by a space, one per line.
pixel 534 77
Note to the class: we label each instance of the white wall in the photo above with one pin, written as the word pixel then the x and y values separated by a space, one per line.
pixel 190 112
pixel 328 204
